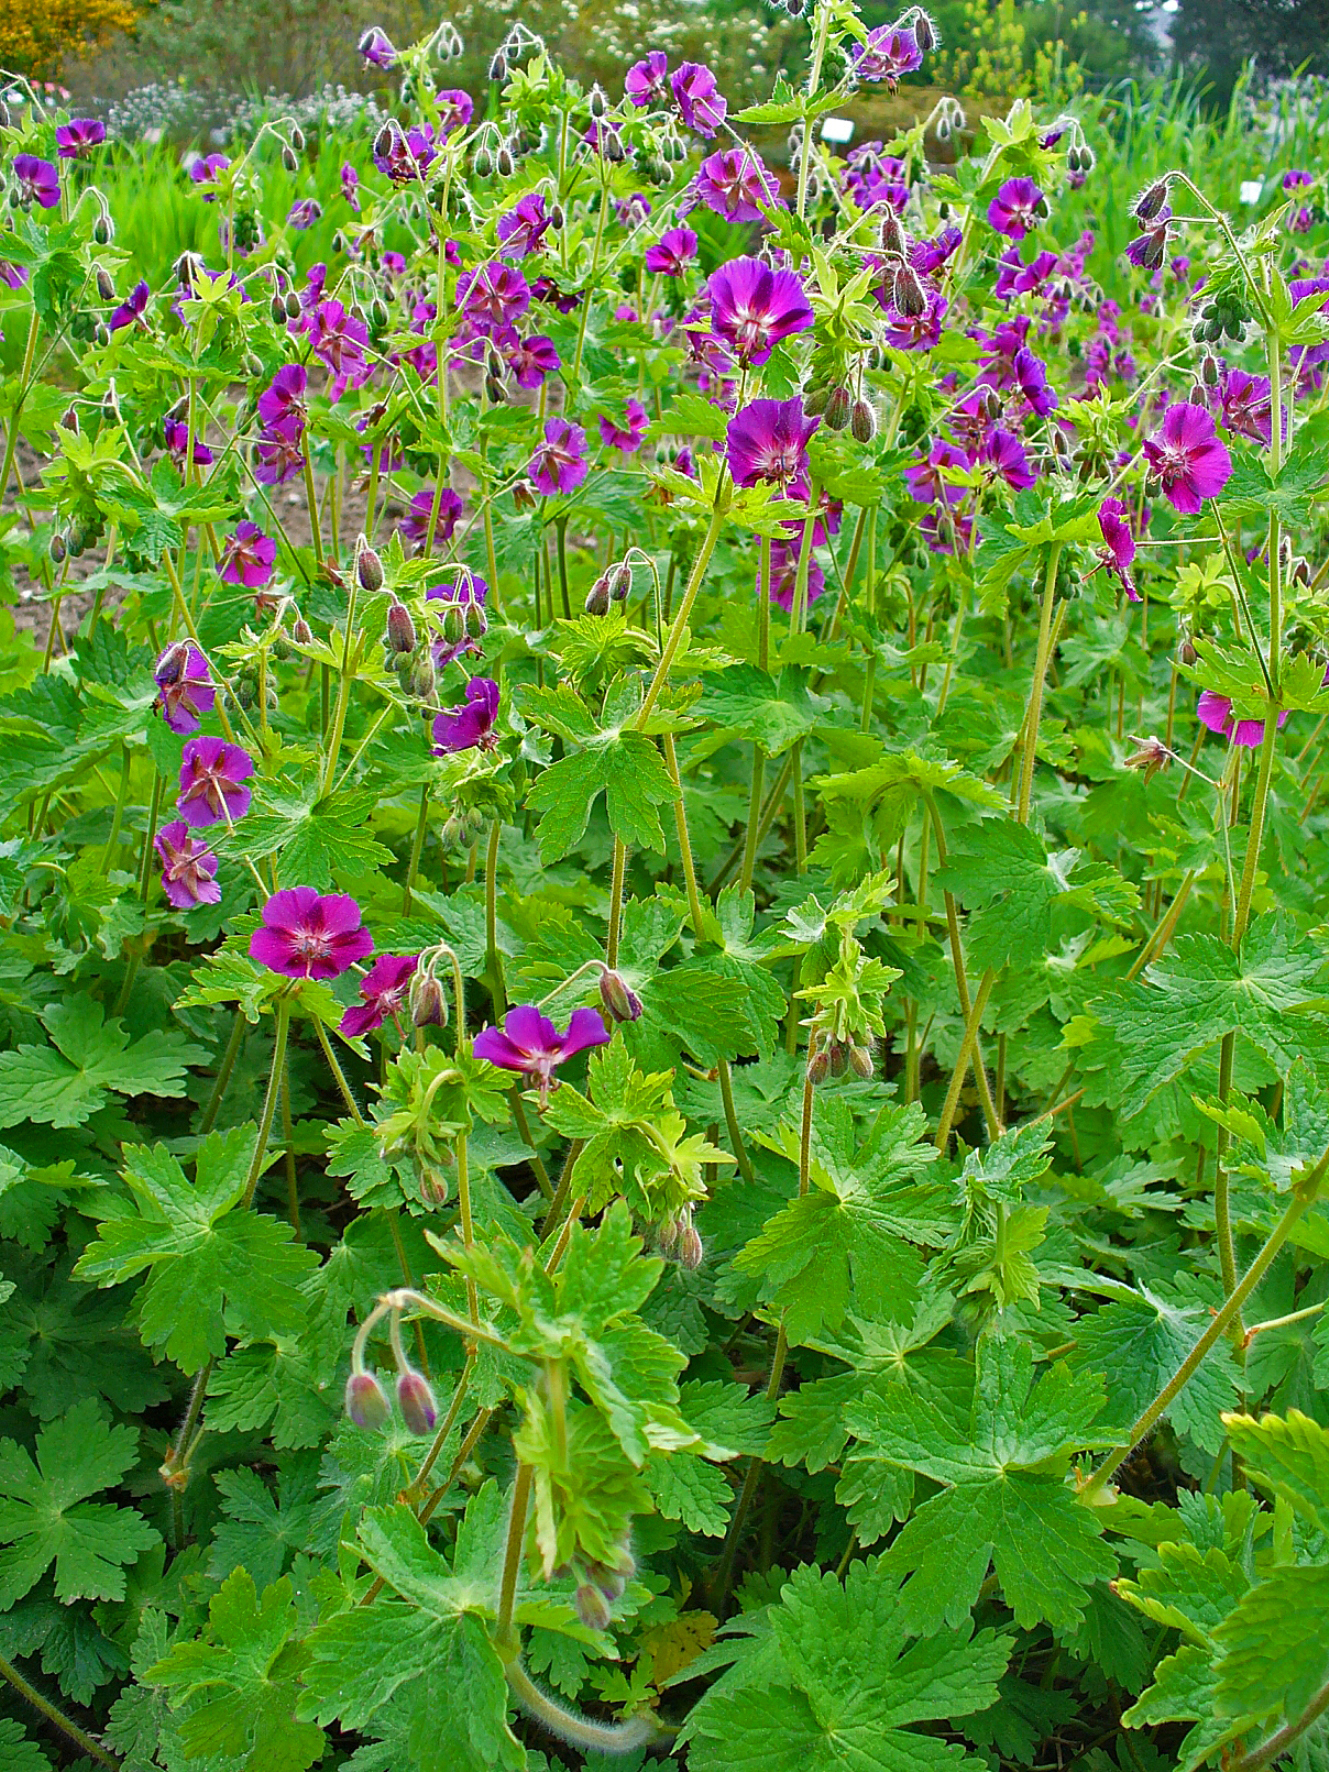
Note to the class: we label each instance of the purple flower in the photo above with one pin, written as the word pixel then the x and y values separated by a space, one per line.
pixel 947 531
pixel 913 332
pixel 1118 553
pixel 872 177
pixel 699 101
pixel 248 557
pixel 1215 712
pixel 634 210
pixel 212 774
pixel 284 396
pixel 1246 406
pixel 768 440
pixel 926 481
pixel 304 213
pixel 464 623
pixel 189 868
pixel 13 276
pixel 384 988
pixel 493 298
pixel 784 572
pixel 888 53
pixel 1149 249
pixel 521 231
pixel 338 341
pixel 376 47
pixel 753 307
pixel 1006 453
pixel 205 171
pixel 626 437
pixel 304 935
pixel 79 137
pixel 38 181
pixel 531 359
pixel 280 452
pixel 530 1043
pixel 1014 277
pixel 1188 458
pixel 559 463
pixel 131 310
pixel 175 435
pixel 647 81
pixel 404 155
pixel 184 686
pixel 1031 377
pixel 470 725
pixel 415 525
pixel 928 256
pixel 1017 208
pixel 733 183
pixel 676 248
pixel 350 186
pixel 455 109
pixel 1301 219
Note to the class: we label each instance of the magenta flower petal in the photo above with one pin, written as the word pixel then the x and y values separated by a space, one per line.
pixel 768 440
pixel 1186 454
pixel 384 989
pixel 529 1042
pixel 753 307
pixel 188 867
pixel 212 773
pixel 304 935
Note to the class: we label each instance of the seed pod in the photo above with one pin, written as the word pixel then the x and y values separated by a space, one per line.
pixel 621 1002
pixel 429 1005
pixel 416 1401
pixel 369 570
pixel 592 1607
pixel 1150 201
pixel 366 1402
pixel 400 635
pixel 597 598
pixel 838 408
pixel 691 1254
pixel 620 582
pixel 862 422
pixel 302 632
pixel 860 1062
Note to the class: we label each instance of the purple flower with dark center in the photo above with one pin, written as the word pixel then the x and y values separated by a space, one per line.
pixel 38 181
pixel 304 213
pixel 470 725
pixel 376 47
pixel 1017 209
pixel 529 1043
pixel 784 573
pixel 888 54
pixel 205 170
pixel 280 452
pixel 384 990
pixel 1301 219
pixel 189 868
pixel 1014 277
pixel 304 935
pixel 415 525
pixel 1118 552
pixel 1031 377
pixel 926 481
pixel 753 307
pixel 464 623
pixel 1006 453
pixel 212 777
pixel 248 557
pixel 913 332
pixel 131 310
pixel 404 155
pixel 531 359
pixel 928 256
pixel 634 210
pixel 734 184
pixel 647 81
pixel 768 440
pixel 546 290
pixel 626 437
pixel 455 109
pixel 559 463
pixel 1215 712
pixel 79 137
pixel 13 276
pixel 350 186
pixel 1188 458
pixel 700 103
pixel 1246 406
pixel 1149 249
pixel 522 230
pixel 673 252
pixel 947 531
pixel 184 686
pixel 338 340
pixel 493 298
pixel 872 177
pixel 175 435
pixel 284 396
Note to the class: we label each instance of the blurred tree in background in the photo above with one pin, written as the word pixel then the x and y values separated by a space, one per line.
pixel 1281 36
pixel 38 37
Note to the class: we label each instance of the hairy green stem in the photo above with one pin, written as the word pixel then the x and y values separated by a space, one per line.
pixel 269 1101
pixel 53 1714
pixel 680 621
pixel 229 1057
pixel 1033 712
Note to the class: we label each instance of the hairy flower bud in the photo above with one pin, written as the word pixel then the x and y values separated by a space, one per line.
pixel 893 237
pixel 429 1003
pixel 598 100
pixel 615 152
pixel 815 401
pixel 302 632
pixel 620 582
pixel 400 635
pixel 1150 201
pixel 838 409
pixel 103 230
pixel 925 33
pixel 819 1066
pixel 57 549
pixel 557 218
pixel 69 420
pixel 416 1401
pixel 423 675
pixel 592 1607
pixel 860 1062
pixel 366 1402
pixel 690 1251
pixel 1187 653
pixel 597 598
pixel 369 570
pixel 908 292
pixel 482 161
pixel 862 422
pixel 105 287
pixel 498 67
pixel 620 1000
pixel 292 306
pixel 290 159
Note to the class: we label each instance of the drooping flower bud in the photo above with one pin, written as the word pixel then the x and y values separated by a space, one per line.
pixel 893 237
pixel 618 997
pixel 597 598
pixel 57 548
pixel 1187 653
pixel 423 675
pixel 277 308
pixel 416 1401
pixel 620 582
pixel 401 629
pixel 592 1607
pixel 498 67
pixel 1150 201
pixel 292 306
pixel 105 287
pixel 815 401
pixel 429 1003
pixel 1209 370
pixel 366 1401
pixel 290 159
pixel 838 408
pixel 301 631
pixel 819 1065
pixel 925 33
pixel 482 161
pixel 863 421
pixel 908 292
pixel 598 100
pixel 369 570
pixel 504 163
pixel 860 1062
pixel 690 1251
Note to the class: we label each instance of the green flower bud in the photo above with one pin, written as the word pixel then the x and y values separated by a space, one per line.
pixel 366 1403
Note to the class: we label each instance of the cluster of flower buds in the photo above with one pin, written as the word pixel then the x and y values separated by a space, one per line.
pixel 600 1585
pixel 1225 316
pixel 367 1401
pixel 829 1057
pixel 614 585
pixel 679 1240
pixel 519 44
pixel 948 118
pixel 447 45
